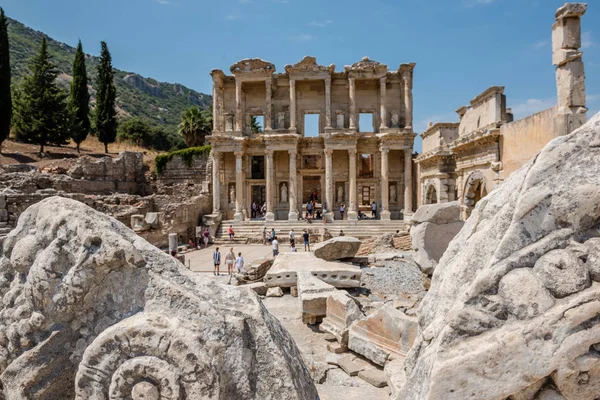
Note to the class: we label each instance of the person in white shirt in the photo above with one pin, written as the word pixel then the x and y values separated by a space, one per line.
pixel 239 263
pixel 292 237
pixel 229 260
pixel 293 248
pixel 275 246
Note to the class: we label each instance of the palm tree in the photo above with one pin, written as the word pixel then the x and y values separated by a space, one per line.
pixel 195 125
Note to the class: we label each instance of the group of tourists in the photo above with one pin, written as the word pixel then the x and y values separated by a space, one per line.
pixel 230 261
pixel 271 238
pixel 258 211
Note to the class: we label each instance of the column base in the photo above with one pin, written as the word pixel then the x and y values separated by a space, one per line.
pixel 352 216
pixel 238 217
pixel 292 216
pixel 385 216
pixel 270 217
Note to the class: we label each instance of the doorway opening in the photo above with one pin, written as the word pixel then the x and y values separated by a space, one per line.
pixel 258 167
pixel 259 198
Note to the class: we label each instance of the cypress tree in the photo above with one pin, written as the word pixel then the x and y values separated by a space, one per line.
pixel 40 107
pixel 106 121
pixel 5 96
pixel 79 99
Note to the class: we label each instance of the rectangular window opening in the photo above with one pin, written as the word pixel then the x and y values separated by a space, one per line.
pixel 311 125
pixel 258 167
pixel 258 124
pixel 365 122
pixel 367 164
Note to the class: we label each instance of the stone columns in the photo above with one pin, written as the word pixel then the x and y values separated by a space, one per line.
pixel 216 172
pixel 382 98
pixel 407 184
pixel 292 104
pixel 293 184
pixel 385 186
pixel 329 183
pixel 268 117
pixel 218 122
pixel 239 186
pixel 352 209
pixel 270 182
pixel 239 115
pixel 352 90
pixel 328 102
pixel 408 99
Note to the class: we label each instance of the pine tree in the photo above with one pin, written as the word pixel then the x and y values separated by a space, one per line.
pixel 106 121
pixel 79 99
pixel 40 107
pixel 5 96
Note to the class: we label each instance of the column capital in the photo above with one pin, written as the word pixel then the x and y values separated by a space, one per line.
pixel 292 151
pixel 352 152
pixel 382 80
pixel 238 154
pixel 328 152
pixel 292 82
pixel 384 150
pixel 328 80
pixel 351 80
pixel 269 152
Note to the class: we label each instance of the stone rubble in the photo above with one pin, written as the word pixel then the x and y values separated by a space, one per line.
pixel 337 248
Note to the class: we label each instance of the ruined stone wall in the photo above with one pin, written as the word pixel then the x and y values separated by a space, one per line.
pixel 198 172
pixel 521 140
pixel 486 109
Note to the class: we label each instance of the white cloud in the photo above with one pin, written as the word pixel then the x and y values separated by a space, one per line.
pixel 532 106
pixel 305 37
pixel 541 44
pixel 320 24
pixel 231 17
pixel 586 40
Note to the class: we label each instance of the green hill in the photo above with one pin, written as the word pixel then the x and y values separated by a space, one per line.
pixel 161 104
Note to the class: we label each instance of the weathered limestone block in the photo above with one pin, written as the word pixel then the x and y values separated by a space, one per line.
pixel 274 292
pixel 385 333
pixel 395 376
pixel 478 338
pixel 255 271
pixel 313 294
pixel 570 81
pixel 441 213
pixel 287 266
pixel 337 248
pixel 342 311
pixel 138 223
pixel 91 310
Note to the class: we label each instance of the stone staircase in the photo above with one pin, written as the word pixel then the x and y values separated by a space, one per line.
pixel 4 231
pixel 248 231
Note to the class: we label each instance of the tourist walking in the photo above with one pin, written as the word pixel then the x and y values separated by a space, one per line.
pixel 239 263
pixel 217 262
pixel 292 237
pixel 254 208
pixel 374 210
pixel 264 235
pixel 229 260
pixel 309 209
pixel 306 238
pixel 205 237
pixel 342 209
pixel 231 233
pixel 275 246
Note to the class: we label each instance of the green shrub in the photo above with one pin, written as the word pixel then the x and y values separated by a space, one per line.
pixel 187 156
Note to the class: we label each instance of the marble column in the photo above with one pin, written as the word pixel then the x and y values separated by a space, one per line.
pixel 328 102
pixel 385 186
pixel 239 115
pixel 268 118
pixel 407 184
pixel 382 98
pixel 352 209
pixel 352 91
pixel 216 172
pixel 408 100
pixel 239 186
pixel 218 101
pixel 329 183
pixel 270 186
pixel 292 185
pixel 292 104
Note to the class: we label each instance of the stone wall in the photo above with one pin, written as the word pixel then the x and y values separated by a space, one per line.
pixel 198 172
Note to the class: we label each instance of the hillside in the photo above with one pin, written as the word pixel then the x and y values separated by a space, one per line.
pixel 161 104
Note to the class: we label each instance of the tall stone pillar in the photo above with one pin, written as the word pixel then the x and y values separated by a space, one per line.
pixel 407 184
pixel 352 209
pixel 217 76
pixel 292 104
pixel 216 172
pixel 268 117
pixel 329 183
pixel 239 115
pixel 328 102
pixel 292 187
pixel 352 91
pixel 382 99
pixel 239 186
pixel 385 186
pixel 408 99
pixel 270 186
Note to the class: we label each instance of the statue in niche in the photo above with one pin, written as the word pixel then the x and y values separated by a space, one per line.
pixel 232 193
pixel 284 193
pixel 395 119
pixel 281 120
pixel 393 194
pixel 340 193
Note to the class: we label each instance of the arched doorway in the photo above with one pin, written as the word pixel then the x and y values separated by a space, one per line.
pixel 431 195
pixel 475 190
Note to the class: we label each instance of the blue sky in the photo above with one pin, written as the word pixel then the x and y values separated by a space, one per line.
pixel 461 47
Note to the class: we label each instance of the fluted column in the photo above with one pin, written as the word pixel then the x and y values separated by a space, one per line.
pixel 270 189
pixel 292 104
pixel 352 209
pixel 382 98
pixel 352 92
pixel 408 100
pixel 216 181
pixel 268 106
pixel 385 185
pixel 293 184
pixel 239 186
pixel 238 106
pixel 407 184
pixel 329 183
pixel 217 76
pixel 328 102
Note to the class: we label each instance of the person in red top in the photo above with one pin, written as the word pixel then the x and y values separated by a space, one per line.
pixel 231 234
